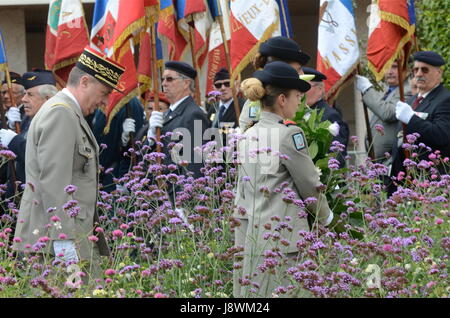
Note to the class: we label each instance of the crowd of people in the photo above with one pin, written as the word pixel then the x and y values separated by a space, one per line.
pixel 57 142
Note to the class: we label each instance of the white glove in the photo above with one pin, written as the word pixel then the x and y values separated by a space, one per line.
pixel 13 115
pixel 128 127
pixel 156 120
pixel 403 112
pixel 66 247
pixel 6 136
pixel 330 219
pixel 334 129
pixel 362 83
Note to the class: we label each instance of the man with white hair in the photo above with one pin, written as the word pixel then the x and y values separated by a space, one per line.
pixel 39 87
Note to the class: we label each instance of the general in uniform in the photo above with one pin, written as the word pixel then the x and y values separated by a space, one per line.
pixel 61 150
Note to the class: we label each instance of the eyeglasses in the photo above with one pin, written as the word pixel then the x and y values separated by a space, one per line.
pixel 170 78
pixel 425 70
pixel 219 85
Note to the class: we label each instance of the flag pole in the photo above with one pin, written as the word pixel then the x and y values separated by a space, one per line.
pixel 366 118
pixel 228 58
pixel 401 89
pixel 190 22
pixel 155 85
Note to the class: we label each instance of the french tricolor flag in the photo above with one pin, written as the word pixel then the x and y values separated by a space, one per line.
pixel 338 52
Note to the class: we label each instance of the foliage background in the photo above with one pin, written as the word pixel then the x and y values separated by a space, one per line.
pixel 433 32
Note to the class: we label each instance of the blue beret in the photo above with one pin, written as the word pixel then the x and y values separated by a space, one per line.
pixel 429 57
pixel 182 68
pixel 284 49
pixel 281 75
pixel 318 76
pixel 15 78
pixel 38 77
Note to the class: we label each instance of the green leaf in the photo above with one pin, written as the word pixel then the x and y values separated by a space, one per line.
pixel 313 149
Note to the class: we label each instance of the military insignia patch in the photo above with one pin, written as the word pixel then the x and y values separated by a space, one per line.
pixel 252 112
pixel 299 141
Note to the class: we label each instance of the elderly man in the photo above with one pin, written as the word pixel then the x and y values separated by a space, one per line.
pixel 39 86
pixel 315 100
pixel 429 113
pixel 11 104
pixel 58 208
pixel 184 116
pixel 382 105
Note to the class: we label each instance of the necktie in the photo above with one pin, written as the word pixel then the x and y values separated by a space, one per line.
pixel 221 112
pixel 417 102
pixel 167 114
pixel 390 89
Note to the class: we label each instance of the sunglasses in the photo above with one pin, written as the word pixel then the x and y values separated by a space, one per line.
pixel 219 85
pixel 170 78
pixel 425 70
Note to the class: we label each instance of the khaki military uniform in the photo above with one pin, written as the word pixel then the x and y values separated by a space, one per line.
pixel 250 114
pixel 61 150
pixel 264 178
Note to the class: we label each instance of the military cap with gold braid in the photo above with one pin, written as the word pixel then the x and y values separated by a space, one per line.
pixel 105 70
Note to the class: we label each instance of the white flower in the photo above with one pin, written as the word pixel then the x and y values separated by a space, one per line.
pixel 319 171
pixel 334 129
pixel 36 232
pixel 57 225
pixel 307 116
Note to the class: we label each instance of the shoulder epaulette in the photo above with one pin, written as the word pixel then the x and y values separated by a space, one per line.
pixel 288 122
pixel 59 104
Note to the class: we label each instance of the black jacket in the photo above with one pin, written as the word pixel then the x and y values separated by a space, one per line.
pixel 112 156
pixel 188 117
pixel 434 130
pixel 18 145
pixel 228 117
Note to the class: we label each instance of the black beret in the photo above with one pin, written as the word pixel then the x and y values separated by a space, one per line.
pixel 281 75
pixel 15 78
pixel 221 75
pixel 182 68
pixel 284 49
pixel 318 76
pixel 38 77
pixel 429 57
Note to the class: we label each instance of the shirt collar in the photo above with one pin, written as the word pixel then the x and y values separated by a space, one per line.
pixel 69 93
pixel 426 94
pixel 175 105
pixel 226 104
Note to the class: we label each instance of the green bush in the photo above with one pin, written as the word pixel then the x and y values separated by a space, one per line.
pixel 433 19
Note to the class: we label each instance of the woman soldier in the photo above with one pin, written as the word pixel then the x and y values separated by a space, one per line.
pixel 278 48
pixel 275 174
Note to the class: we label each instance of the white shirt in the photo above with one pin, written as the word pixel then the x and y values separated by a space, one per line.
pixel 68 93
pixel 426 94
pixel 174 106
pixel 227 104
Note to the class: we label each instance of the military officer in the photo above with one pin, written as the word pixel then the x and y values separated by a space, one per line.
pixel 428 112
pixel 184 116
pixel 117 140
pixel 278 48
pixel 62 167
pixel 39 87
pixel 272 182
pixel 14 112
pixel 382 105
